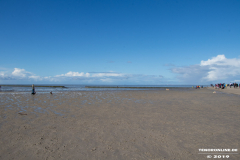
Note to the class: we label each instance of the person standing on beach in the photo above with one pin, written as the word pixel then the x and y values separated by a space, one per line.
pixel 33 89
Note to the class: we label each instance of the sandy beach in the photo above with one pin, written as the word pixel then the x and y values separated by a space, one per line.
pixel 228 90
pixel 150 124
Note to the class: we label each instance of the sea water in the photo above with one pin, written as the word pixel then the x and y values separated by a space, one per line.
pixel 70 87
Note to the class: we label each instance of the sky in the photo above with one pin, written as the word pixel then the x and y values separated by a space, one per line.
pixel 125 42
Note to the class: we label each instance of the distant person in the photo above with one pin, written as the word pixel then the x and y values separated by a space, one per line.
pixel 51 92
pixel 33 89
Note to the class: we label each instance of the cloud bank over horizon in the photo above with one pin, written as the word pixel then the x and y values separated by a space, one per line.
pixel 90 77
pixel 214 70
pixel 217 69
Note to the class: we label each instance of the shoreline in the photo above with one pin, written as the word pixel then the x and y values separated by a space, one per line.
pixel 34 86
pixel 66 89
pixel 133 87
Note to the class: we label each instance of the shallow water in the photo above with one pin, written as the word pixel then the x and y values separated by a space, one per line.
pixel 15 88
pixel 45 103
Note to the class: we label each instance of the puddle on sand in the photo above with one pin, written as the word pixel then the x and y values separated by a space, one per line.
pixel 40 110
pixel 57 113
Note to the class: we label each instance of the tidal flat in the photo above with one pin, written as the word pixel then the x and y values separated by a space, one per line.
pixel 148 124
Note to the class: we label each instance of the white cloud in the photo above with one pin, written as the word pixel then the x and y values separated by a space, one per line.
pixel 5 76
pixel 107 75
pixel 35 77
pixel 74 74
pixel 94 77
pixel 2 73
pixel 216 69
pixel 221 68
pixel 221 60
pixel 20 72
pixel 214 60
pixel 106 80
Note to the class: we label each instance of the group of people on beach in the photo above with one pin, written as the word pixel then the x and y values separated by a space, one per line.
pixel 223 85
pixel 198 87
pixel 235 85
pixel 220 85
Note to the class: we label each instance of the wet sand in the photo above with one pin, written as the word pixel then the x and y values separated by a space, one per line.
pixel 124 125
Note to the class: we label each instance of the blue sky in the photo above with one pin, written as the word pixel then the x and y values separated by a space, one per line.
pixel 119 42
